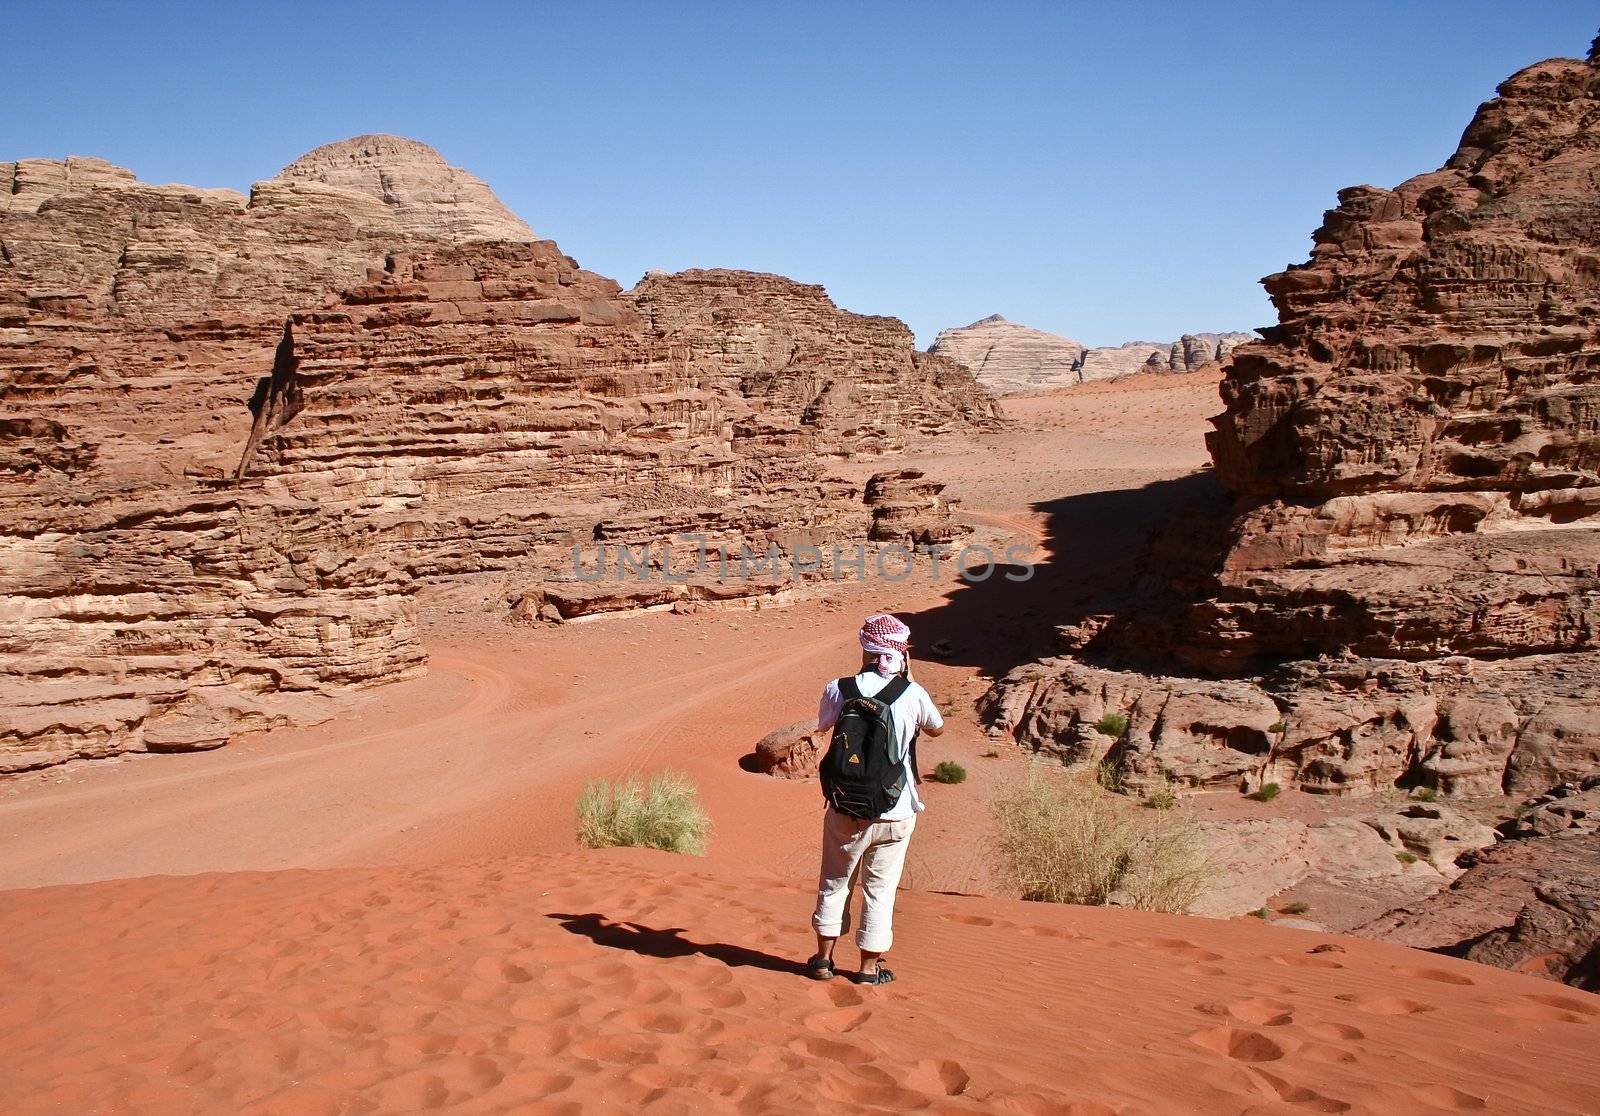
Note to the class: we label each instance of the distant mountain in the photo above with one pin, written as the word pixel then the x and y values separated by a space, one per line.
pixel 1008 357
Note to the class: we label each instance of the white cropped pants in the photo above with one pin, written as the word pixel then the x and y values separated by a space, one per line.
pixel 878 849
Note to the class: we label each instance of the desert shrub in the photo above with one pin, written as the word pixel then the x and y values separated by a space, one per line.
pixel 1267 793
pixel 663 814
pixel 1261 913
pixel 992 753
pixel 1406 856
pixel 1108 777
pixel 1277 726
pixel 1062 841
pixel 1112 724
pixel 1298 907
pixel 1162 797
pixel 1425 794
pixel 947 771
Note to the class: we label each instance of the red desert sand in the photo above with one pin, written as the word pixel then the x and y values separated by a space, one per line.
pixel 391 915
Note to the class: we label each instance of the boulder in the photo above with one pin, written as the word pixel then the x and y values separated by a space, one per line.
pixel 791 752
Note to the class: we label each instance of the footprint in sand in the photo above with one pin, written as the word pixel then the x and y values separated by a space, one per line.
pixel 1259 1012
pixel 837 994
pixel 1383 1005
pixel 544 1009
pixel 1548 1009
pixel 1054 932
pixel 702 1081
pixel 1239 1044
pixel 1298 1095
pixel 1565 1003
pixel 493 969
pixel 1176 947
pixel 832 1050
pixel 1335 1031
pixel 1313 960
pixel 939 1078
pixel 1329 1055
pixel 1442 976
pixel 973 920
pixel 839 1021
pixel 1446 1099
pixel 715 999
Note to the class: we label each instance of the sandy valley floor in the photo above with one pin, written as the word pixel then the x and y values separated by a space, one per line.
pixel 459 954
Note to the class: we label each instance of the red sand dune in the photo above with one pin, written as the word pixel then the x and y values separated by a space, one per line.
pixel 641 981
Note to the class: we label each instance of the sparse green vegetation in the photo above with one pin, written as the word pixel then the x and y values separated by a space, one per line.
pixel 1425 794
pixel 1063 841
pixel 1112 725
pixel 1161 797
pixel 1267 792
pixel 1298 907
pixel 1261 913
pixel 947 771
pixel 992 753
pixel 1108 777
pixel 665 814
pixel 1277 726
pixel 1406 856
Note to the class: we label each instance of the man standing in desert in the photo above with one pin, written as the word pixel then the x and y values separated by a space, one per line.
pixel 869 780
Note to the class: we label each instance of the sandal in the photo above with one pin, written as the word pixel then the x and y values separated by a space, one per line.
pixel 820 968
pixel 882 976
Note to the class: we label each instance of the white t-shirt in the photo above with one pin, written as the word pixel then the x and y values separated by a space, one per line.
pixel 911 711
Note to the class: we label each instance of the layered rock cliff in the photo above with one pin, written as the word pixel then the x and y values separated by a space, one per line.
pixel 1007 357
pixel 236 433
pixel 1407 587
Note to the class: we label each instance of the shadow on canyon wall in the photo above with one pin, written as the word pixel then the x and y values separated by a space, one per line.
pixel 1125 562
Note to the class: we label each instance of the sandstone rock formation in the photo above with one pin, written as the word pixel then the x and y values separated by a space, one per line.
pixel 1407 588
pixel 791 752
pixel 424 194
pixel 235 434
pixel 1531 904
pixel 1007 357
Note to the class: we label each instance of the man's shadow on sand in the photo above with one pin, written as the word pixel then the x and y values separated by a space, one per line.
pixel 638 938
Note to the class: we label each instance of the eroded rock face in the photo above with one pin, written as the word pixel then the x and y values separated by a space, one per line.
pixel 1409 582
pixel 425 195
pixel 235 434
pixel 1419 428
pixel 1347 727
pixel 1007 357
pixel 1532 905
pixel 791 752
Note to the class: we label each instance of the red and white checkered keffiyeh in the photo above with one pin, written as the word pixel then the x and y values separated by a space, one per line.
pixel 887 638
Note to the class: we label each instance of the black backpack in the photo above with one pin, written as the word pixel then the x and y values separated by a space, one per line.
pixel 860 776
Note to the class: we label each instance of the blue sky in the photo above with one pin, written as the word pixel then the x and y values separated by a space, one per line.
pixel 1106 170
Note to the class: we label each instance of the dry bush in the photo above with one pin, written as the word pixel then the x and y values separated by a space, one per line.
pixel 665 814
pixel 1064 841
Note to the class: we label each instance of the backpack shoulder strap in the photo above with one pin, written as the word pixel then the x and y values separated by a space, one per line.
pixel 848 690
pixel 898 685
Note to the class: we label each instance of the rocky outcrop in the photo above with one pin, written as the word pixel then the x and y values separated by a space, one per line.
pixel 791 752
pixel 236 433
pixel 1459 726
pixel 423 194
pixel 909 509
pixel 1532 905
pixel 1407 588
pixel 1007 357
